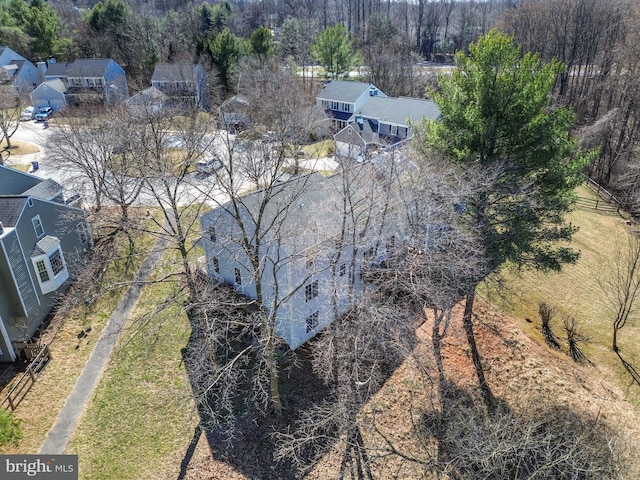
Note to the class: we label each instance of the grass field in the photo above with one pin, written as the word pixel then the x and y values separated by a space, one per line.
pixel 575 292
pixel 141 417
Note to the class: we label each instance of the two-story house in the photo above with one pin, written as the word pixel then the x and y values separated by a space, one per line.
pixel 309 264
pixel 382 121
pixel 17 71
pixel 92 81
pixel 184 83
pixel 41 240
pixel 341 99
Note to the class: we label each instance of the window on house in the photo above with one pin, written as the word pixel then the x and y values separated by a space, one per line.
pixel 55 260
pixel 82 233
pixel 50 268
pixel 334 105
pixel 342 269
pixel 99 82
pixel 212 233
pixel 43 273
pixel 312 321
pixel 37 226
pixel 238 277
pixel 311 290
pixel 394 130
pixel 91 82
pixel 216 265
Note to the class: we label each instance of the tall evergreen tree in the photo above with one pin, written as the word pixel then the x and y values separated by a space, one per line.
pixel 496 117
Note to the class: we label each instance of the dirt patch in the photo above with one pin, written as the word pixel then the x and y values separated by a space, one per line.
pixel 517 368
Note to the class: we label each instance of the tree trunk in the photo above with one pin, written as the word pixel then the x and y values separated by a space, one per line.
pixel 475 355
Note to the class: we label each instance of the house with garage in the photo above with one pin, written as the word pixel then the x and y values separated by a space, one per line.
pixel 17 71
pixel 42 240
pixel 184 83
pixel 148 101
pixel 311 250
pixel 98 81
pixel 50 93
pixel 340 99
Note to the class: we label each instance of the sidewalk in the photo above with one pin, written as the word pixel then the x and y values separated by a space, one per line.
pixel 59 435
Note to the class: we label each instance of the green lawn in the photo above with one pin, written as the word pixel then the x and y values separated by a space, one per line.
pixel 575 292
pixel 141 417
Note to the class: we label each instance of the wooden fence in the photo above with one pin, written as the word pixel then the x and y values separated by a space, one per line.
pixel 607 201
pixel 20 389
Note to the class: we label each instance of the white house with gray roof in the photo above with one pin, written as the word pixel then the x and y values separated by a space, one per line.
pixel 368 118
pixel 310 265
pixel 41 240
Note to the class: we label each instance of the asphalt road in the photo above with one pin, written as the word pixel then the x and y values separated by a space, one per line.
pixel 196 187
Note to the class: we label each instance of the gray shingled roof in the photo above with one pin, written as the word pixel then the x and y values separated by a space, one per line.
pixel 58 69
pixel 47 189
pixel 14 182
pixel 398 110
pixel 44 245
pixel 343 91
pixel 175 72
pixel 10 209
pixel 89 67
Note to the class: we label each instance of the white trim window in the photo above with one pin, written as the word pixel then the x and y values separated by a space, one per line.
pixel 51 269
pixel 37 226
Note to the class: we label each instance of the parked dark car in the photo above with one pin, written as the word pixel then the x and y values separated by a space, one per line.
pixel 44 114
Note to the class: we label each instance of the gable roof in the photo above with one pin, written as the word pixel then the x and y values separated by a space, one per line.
pixel 148 96
pixel 55 84
pixel 89 67
pixel 11 54
pixel 58 69
pixel 345 91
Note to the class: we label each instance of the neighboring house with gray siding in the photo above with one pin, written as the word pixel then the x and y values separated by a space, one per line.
pixel 17 71
pixel 41 240
pixel 340 99
pixel 50 93
pixel 184 83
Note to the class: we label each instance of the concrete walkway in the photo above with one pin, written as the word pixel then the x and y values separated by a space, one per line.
pixel 59 435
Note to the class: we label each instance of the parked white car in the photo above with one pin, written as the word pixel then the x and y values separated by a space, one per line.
pixel 27 114
pixel 206 166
